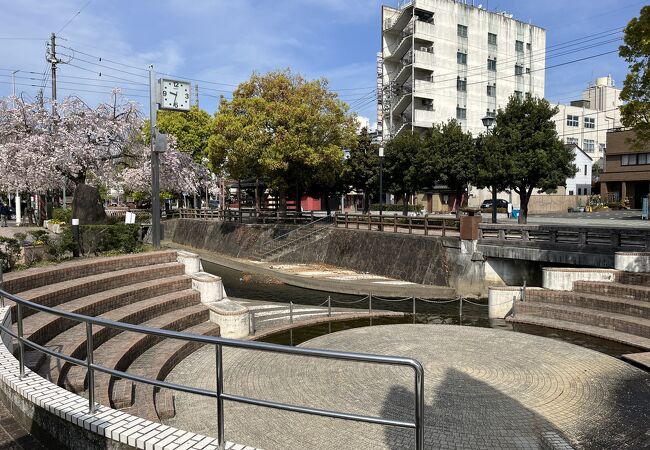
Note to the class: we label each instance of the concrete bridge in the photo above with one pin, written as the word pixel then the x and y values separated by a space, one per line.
pixel 592 246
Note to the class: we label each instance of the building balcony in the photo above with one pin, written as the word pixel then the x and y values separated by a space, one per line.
pixel 423 89
pixel 423 59
pixel 424 118
pixel 424 30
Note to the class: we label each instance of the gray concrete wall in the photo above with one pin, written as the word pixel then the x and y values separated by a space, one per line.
pixel 420 259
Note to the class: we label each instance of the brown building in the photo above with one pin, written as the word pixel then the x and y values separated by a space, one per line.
pixel 627 170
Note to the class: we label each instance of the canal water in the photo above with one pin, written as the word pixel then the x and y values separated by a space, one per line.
pixel 241 285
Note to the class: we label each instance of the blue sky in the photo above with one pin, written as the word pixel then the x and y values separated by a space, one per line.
pixel 224 41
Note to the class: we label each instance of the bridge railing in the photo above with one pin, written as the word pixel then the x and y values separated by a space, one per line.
pixel 219 393
pixel 398 223
pixel 566 237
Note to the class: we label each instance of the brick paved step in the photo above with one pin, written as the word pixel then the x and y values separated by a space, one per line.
pixel 616 305
pixel 637 279
pixel 16 282
pixel 156 363
pixel 613 289
pixel 42 327
pixel 58 293
pixel 73 341
pixel 606 320
pixel 612 335
pixel 119 352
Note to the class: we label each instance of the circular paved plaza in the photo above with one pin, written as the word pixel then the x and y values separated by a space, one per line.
pixel 483 389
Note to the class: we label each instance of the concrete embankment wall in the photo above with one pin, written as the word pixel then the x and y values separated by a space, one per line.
pixel 419 259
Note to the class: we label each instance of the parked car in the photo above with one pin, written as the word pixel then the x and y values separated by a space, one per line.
pixel 501 203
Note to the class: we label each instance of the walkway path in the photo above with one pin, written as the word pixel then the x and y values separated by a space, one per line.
pixel 483 389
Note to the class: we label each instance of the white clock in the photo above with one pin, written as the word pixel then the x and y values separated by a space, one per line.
pixel 175 94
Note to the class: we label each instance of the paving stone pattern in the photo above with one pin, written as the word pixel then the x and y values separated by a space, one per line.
pixel 483 389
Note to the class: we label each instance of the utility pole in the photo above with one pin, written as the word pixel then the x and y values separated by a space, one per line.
pixel 13 85
pixel 53 61
pixel 155 161
pixel 196 89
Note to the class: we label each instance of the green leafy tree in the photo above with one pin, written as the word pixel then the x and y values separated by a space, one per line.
pixel 402 173
pixel 493 169
pixel 192 130
pixel 362 168
pixel 282 128
pixel 536 158
pixel 453 157
pixel 636 88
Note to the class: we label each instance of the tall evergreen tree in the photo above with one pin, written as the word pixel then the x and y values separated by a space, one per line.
pixel 362 168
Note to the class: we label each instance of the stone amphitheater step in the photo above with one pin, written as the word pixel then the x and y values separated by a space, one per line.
pixel 16 282
pixel 42 327
pixel 638 292
pixel 638 279
pixel 73 341
pixel 266 316
pixel 65 291
pixel 155 363
pixel 606 320
pixel 625 338
pixel 119 352
pixel 616 305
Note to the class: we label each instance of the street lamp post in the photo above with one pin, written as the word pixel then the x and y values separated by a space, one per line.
pixel 488 121
pixel 381 185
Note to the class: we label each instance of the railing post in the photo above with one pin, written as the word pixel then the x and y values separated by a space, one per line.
pixel 291 312
pixel 370 303
pixel 426 225
pixel 414 309
pixel 329 306
pixel 444 227
pixel 410 225
pixel 419 408
pixel 369 221
pixel 221 440
pixel 2 297
pixel 460 310
pixel 252 316
pixel 89 365
pixel 21 345
pixel 523 292
pixel 346 220
pixel 394 223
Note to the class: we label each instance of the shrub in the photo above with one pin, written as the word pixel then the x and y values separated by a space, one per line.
pixel 120 237
pixel 62 215
pixel 9 252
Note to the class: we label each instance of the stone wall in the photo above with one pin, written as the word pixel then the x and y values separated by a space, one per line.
pixel 419 259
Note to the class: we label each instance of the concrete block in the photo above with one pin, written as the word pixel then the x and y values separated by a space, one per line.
pixel 232 318
pixel 191 261
pixel 632 261
pixel 209 286
pixel 501 301
pixel 562 279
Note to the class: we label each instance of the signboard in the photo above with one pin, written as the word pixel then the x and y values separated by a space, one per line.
pixel 644 209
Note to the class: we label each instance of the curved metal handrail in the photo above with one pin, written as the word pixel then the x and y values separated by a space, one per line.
pixel 219 343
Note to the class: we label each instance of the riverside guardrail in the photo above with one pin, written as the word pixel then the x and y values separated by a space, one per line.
pixel 219 394
pixel 396 223
pixel 566 238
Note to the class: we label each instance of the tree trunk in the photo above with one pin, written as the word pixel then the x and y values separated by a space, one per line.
pixel 258 203
pixel 239 200
pixel 87 206
pixel 298 198
pixel 328 206
pixel 282 201
pixel 459 201
pixel 494 204
pixel 523 207
pixel 405 205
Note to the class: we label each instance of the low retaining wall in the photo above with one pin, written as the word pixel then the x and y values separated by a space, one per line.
pixel 429 260
pixel 632 262
pixel 562 279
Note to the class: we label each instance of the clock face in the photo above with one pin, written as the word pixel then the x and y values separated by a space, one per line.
pixel 175 95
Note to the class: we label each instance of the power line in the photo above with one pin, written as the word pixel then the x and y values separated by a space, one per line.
pixel 74 16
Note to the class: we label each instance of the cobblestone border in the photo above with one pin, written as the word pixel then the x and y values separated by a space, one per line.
pixel 64 415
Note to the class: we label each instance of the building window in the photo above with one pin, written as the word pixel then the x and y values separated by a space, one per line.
pixel 519 46
pixel 579 191
pixel 461 58
pixel 603 148
pixel 519 95
pixel 491 90
pixel 519 70
pixel 585 169
pixel 492 39
pixel 491 113
pixel 529 46
pixel 572 140
pixel 462 31
pixel 590 145
pixel 461 113
pixel 643 158
pixel 461 84
pixel 572 121
pixel 492 64
pixel 590 122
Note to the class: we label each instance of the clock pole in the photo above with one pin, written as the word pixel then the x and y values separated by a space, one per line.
pixel 155 161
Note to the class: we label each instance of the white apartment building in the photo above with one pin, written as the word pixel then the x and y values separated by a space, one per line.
pixel 585 122
pixel 444 59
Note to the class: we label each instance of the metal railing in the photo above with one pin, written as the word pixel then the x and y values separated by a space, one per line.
pixel 218 393
pixel 396 223
pixel 285 240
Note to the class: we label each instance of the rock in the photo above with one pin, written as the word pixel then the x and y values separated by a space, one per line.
pixel 87 206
